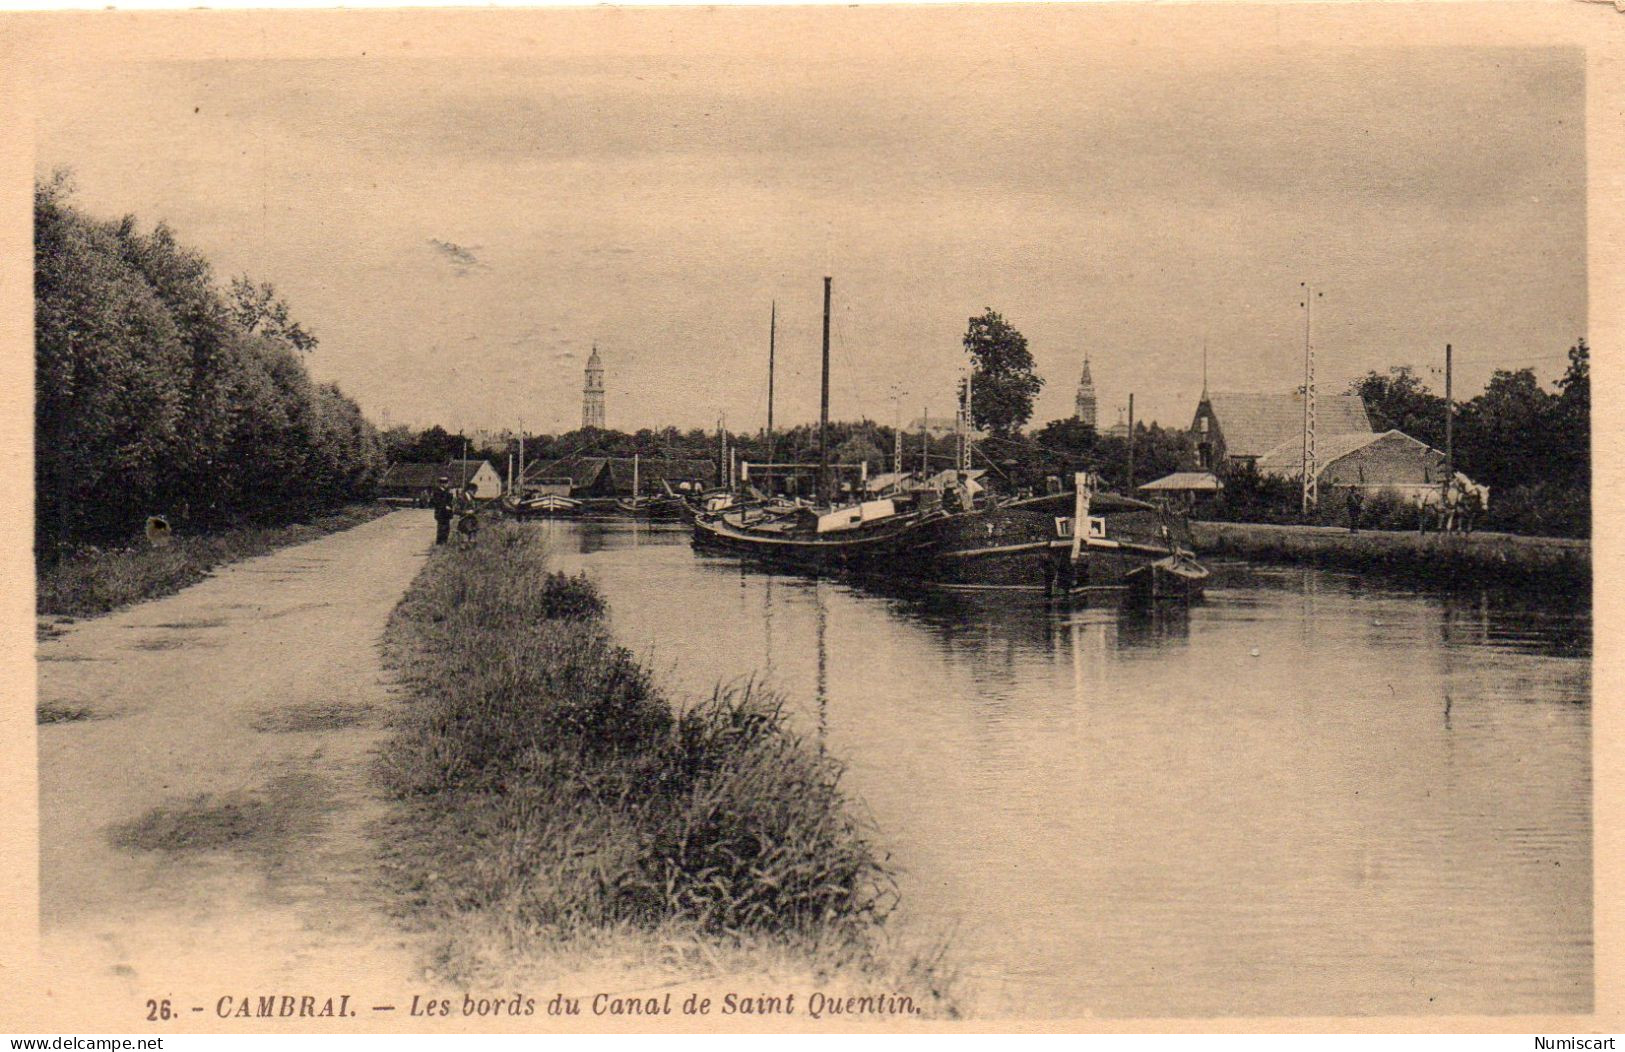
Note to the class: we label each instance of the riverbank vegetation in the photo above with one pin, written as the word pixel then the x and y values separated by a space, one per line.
pixel 556 806
pixel 98 580
pixel 160 393
pixel 1559 565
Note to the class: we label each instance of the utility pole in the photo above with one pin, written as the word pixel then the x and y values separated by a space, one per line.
pixel 964 425
pixel 1449 419
pixel 824 487
pixel 1130 492
pixel 1311 487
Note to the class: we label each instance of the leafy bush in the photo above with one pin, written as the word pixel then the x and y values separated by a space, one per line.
pixel 571 598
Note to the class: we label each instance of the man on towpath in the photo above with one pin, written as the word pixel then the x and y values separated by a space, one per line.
pixel 444 503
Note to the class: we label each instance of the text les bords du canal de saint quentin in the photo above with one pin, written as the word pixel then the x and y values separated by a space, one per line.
pixel 814 1005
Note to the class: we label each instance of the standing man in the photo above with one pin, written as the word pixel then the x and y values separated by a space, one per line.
pixel 443 502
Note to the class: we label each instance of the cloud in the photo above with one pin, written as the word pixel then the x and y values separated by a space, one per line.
pixel 461 257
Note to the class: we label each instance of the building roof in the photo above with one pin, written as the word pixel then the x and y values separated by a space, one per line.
pixel 1286 459
pixel 458 473
pixel 1194 481
pixel 653 470
pixel 1254 424
pixel 885 479
pixel 462 472
pixel 584 472
pixel 412 476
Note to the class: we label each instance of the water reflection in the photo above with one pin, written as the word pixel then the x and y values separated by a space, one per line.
pixel 1306 795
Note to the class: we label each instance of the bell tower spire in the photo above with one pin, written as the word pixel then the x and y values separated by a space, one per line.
pixel 1084 406
pixel 592 393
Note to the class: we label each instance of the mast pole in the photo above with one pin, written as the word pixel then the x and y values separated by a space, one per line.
pixel 897 454
pixel 1130 444
pixel 925 441
pixel 823 411
pixel 772 338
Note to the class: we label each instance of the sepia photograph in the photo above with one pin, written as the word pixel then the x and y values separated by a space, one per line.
pixel 808 518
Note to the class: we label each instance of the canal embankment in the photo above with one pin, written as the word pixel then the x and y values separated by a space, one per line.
pixel 1434 558
pixel 561 815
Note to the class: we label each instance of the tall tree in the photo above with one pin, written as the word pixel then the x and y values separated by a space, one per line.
pixel 1571 424
pixel 110 371
pixel 258 309
pixel 1401 401
pixel 1506 434
pixel 1003 384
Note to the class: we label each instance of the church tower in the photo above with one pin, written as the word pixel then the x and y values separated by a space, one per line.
pixel 1085 404
pixel 592 395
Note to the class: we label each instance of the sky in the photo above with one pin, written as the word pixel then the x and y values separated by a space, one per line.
pixel 459 232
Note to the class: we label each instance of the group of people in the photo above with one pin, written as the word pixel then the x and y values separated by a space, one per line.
pixel 455 504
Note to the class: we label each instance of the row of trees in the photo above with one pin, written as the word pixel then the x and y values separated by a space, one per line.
pixel 1531 445
pixel 159 392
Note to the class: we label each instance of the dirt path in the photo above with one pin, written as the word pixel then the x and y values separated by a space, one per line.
pixel 206 809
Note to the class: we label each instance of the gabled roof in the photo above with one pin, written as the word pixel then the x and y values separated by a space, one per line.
pixel 462 472
pixel 412 476
pixel 1287 458
pixel 583 472
pixel 1254 424
pixel 1180 481
pixel 458 473
pixel 652 470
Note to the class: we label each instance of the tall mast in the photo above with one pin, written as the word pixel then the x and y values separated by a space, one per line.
pixel 897 433
pixel 925 440
pixel 823 412
pixel 772 337
pixel 1131 443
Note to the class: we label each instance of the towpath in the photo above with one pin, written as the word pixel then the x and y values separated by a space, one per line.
pixel 207 814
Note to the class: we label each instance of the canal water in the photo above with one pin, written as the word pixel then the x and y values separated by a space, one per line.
pixel 1306 795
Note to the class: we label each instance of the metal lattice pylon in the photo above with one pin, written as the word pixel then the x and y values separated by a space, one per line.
pixel 1311 488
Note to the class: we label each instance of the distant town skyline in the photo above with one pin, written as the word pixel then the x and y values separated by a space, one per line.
pixel 459 233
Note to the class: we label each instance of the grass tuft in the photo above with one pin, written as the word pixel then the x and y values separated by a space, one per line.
pixel 553 794
pixel 55 712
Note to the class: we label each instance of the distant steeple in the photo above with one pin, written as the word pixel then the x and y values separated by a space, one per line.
pixel 592 394
pixel 1084 405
